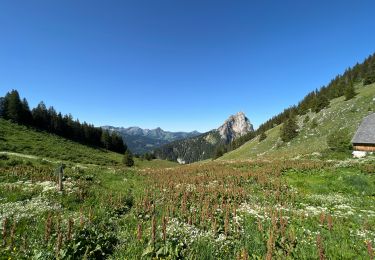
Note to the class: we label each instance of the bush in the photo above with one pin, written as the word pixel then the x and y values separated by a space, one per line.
pixel 262 136
pixel 314 123
pixel 369 79
pixel 4 157
pixel 339 140
pixel 128 159
pixel 306 120
pixel 91 242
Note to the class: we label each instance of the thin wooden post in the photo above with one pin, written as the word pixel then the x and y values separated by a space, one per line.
pixel 60 182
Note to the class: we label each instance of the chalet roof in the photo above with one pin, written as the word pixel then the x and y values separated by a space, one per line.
pixel 366 131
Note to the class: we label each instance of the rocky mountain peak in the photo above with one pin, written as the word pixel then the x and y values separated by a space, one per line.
pixel 235 126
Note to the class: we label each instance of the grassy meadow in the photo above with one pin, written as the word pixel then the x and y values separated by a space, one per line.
pixel 289 209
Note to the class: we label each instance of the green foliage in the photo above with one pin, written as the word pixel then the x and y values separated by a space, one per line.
pixel 220 151
pixel 369 79
pixel 93 241
pixel 339 140
pixel 262 136
pixel 320 103
pixel 190 150
pixel 12 108
pixel 314 123
pixel 289 130
pixel 306 120
pixel 148 156
pixel 350 92
pixel 128 159
pixel 25 140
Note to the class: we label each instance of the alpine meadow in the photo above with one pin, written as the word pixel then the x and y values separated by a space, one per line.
pixel 189 130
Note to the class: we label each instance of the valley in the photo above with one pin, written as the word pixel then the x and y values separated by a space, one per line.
pixel 172 130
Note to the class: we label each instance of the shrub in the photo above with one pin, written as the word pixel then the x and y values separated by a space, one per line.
pixel 339 140
pixel 369 79
pixel 262 136
pixel 128 159
pixel 314 123
pixel 307 119
pixel 4 157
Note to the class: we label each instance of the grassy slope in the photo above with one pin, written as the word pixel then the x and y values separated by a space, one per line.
pixel 20 139
pixel 340 114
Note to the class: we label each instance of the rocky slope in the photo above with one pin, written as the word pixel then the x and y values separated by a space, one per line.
pixel 141 140
pixel 205 145
pixel 235 126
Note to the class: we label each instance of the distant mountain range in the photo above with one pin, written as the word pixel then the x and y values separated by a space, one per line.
pixel 141 141
pixel 206 145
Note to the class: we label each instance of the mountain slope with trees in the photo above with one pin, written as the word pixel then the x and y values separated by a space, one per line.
pixel 342 85
pixel 313 134
pixel 141 141
pixel 47 119
pixel 212 144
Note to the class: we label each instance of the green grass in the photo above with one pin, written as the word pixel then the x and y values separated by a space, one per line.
pixel 340 114
pixel 20 139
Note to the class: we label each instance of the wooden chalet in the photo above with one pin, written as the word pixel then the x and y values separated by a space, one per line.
pixel 364 138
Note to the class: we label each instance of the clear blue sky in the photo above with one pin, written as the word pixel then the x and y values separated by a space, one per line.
pixel 177 64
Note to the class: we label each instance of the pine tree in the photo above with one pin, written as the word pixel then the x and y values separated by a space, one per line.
pixel 128 159
pixel 320 102
pixel 2 107
pixel 40 116
pixel 350 92
pixel 26 116
pixel 13 106
pixel 106 139
pixel 262 136
pixel 289 129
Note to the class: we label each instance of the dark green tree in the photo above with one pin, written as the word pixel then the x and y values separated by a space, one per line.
pixel 128 159
pixel 2 107
pixel 13 106
pixel 262 136
pixel 306 120
pixel 369 79
pixel 320 102
pixel 220 151
pixel 339 140
pixel 26 116
pixel 350 91
pixel 40 116
pixel 106 139
pixel 314 123
pixel 289 129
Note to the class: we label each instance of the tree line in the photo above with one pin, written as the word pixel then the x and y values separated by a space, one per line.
pixel 315 101
pixel 47 119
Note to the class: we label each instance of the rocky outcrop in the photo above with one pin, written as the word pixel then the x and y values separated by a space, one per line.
pixel 205 146
pixel 235 126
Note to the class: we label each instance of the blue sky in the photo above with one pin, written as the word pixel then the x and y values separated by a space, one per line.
pixel 178 64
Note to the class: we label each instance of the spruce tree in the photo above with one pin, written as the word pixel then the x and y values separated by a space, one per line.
pixel 106 139
pixel 289 129
pixel 262 136
pixel 128 159
pixel 2 107
pixel 321 102
pixel 350 92
pixel 13 106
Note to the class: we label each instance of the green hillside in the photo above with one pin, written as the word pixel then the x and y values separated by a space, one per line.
pixel 20 139
pixel 311 141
